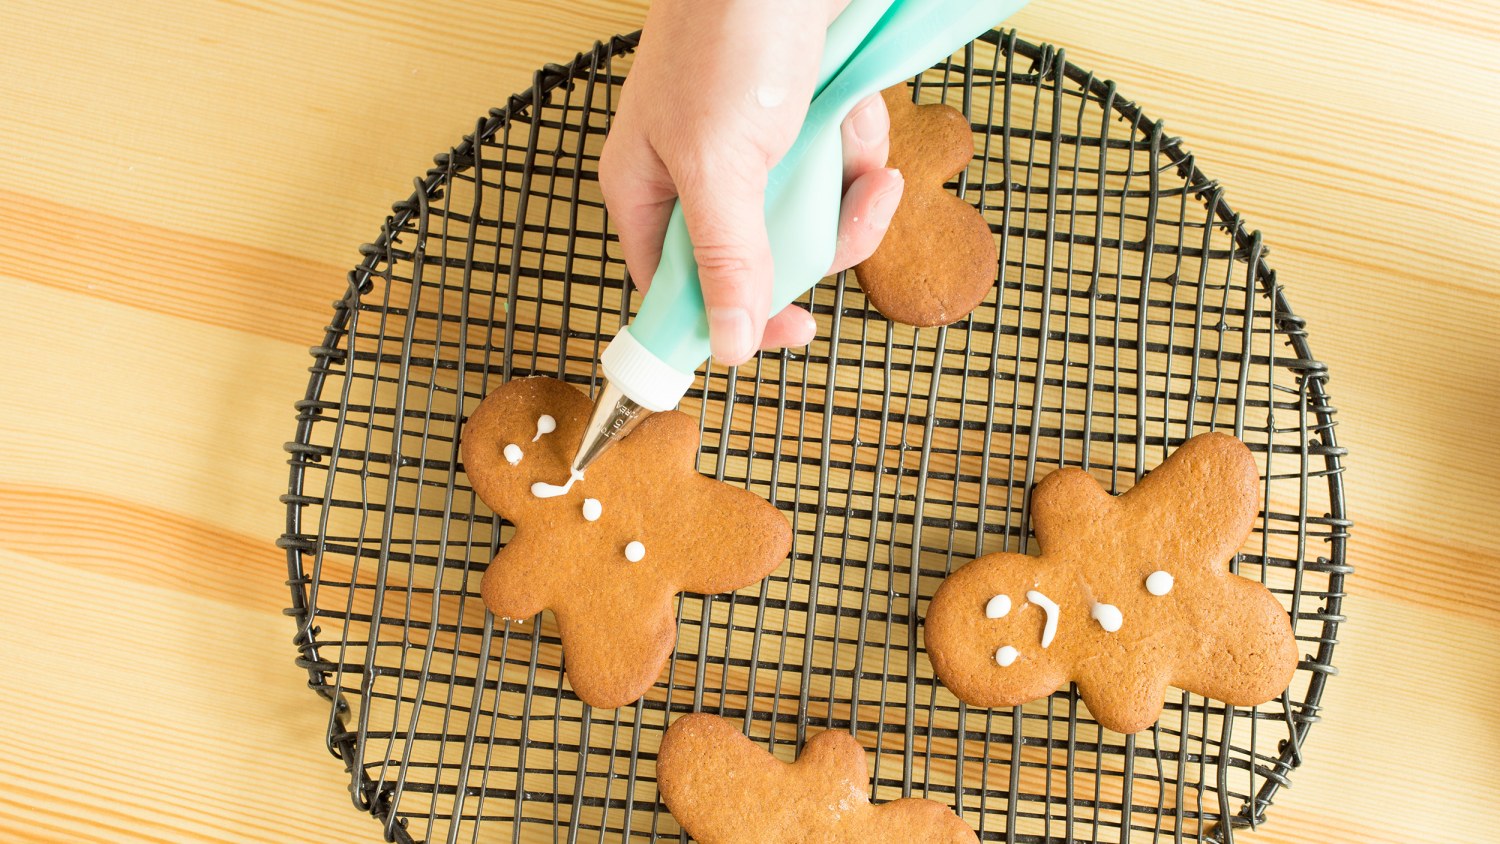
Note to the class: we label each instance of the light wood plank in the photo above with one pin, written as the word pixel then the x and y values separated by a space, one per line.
pixel 183 185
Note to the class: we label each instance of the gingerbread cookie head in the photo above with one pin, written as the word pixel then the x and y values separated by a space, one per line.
pixel 1130 594
pixel 725 790
pixel 606 552
pixel 938 259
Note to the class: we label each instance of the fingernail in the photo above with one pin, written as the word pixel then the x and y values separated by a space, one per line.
pixel 883 206
pixel 868 126
pixel 729 335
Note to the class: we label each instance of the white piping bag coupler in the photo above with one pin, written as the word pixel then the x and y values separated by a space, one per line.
pixel 870 46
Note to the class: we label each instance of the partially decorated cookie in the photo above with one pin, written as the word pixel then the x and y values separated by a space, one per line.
pixel 607 551
pixel 1130 594
pixel 938 259
pixel 725 790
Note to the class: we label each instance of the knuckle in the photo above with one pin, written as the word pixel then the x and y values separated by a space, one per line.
pixel 696 164
pixel 609 168
pixel 723 260
pixel 713 161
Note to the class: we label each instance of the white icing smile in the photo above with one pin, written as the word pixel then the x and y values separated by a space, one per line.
pixel 1159 582
pixel 545 490
pixel 513 454
pixel 1048 606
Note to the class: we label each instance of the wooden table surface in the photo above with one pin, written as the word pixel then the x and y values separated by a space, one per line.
pixel 183 185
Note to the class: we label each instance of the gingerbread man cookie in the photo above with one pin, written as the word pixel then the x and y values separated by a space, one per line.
pixel 1131 594
pixel 938 259
pixel 725 790
pixel 607 551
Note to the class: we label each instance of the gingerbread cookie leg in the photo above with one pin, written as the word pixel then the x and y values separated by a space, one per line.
pixel 612 652
pixel 938 259
pixel 725 790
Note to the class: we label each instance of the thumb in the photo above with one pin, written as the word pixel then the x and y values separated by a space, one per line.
pixel 724 209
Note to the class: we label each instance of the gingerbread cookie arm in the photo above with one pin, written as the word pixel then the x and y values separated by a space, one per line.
pixel 717 783
pixel 1249 652
pixel 943 147
pixel 737 552
pixel 916 819
pixel 835 763
pixel 514 587
pixel 1203 498
pixel 1067 504
pixel 836 759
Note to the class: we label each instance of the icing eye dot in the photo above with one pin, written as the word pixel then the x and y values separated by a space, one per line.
pixel 1159 583
pixel 1108 616
pixel 544 425
pixel 635 552
pixel 1005 656
pixel 998 607
pixel 592 509
pixel 513 454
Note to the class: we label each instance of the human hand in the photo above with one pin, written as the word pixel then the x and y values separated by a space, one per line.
pixel 716 96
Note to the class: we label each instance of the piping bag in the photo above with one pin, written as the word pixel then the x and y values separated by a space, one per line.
pixel 870 46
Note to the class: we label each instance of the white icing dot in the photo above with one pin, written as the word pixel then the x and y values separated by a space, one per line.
pixel 635 552
pixel 1108 616
pixel 998 607
pixel 1005 656
pixel 544 425
pixel 1048 606
pixel 1159 583
pixel 512 454
pixel 592 509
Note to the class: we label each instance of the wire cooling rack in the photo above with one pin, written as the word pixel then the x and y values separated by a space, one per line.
pixel 1132 309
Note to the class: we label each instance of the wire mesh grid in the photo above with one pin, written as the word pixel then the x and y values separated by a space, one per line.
pixel 1132 310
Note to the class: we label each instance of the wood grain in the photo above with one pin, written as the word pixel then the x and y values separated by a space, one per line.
pixel 182 186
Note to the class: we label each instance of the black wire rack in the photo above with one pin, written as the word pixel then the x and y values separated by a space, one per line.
pixel 1132 310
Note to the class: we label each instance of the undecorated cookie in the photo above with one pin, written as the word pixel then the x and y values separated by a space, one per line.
pixel 607 556
pixel 725 790
pixel 938 259
pixel 1131 594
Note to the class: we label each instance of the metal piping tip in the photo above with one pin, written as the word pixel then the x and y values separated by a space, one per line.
pixel 615 415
